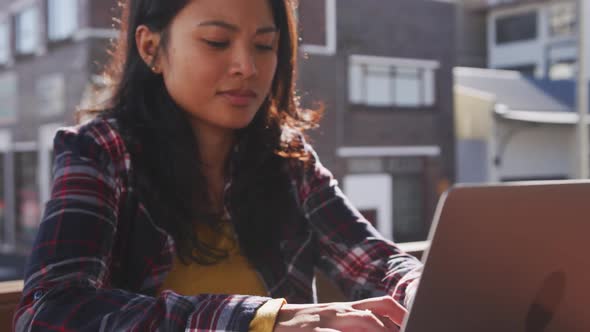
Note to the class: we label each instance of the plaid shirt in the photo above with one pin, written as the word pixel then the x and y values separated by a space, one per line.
pixel 99 259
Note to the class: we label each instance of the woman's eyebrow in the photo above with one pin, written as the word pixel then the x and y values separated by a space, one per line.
pixel 232 27
pixel 269 29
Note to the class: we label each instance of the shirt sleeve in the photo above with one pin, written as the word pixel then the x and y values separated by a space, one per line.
pixel 351 251
pixel 67 279
pixel 266 316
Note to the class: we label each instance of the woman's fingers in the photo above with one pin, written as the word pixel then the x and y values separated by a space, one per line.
pixel 389 324
pixel 383 306
pixel 334 317
pixel 381 314
pixel 357 321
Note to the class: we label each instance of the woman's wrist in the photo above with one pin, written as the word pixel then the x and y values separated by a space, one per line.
pixel 266 316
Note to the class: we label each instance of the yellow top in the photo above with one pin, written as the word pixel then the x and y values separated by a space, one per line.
pixel 233 275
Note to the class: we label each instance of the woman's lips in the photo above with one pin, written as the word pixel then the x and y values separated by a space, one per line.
pixel 239 98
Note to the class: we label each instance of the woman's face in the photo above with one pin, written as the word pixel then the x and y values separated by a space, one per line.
pixel 220 61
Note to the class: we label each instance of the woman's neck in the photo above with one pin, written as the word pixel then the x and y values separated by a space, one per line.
pixel 215 145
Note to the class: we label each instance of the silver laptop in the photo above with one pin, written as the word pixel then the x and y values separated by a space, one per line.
pixel 512 257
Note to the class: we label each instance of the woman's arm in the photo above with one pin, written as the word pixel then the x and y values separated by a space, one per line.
pixel 67 282
pixel 380 314
pixel 351 251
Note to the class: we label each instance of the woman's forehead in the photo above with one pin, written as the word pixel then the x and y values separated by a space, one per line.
pixel 240 14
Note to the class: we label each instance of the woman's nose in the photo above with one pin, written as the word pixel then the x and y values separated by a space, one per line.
pixel 244 64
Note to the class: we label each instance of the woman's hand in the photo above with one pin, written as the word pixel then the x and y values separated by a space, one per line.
pixel 378 314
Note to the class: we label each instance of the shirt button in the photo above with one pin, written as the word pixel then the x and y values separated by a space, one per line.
pixel 38 294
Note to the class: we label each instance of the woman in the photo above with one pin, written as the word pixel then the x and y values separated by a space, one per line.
pixel 195 182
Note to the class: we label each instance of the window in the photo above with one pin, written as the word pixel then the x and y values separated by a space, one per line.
pixel 8 96
pixel 371 194
pixel 515 28
pixel 317 19
pixel 46 158
pixel 62 18
pixel 527 70
pixel 27 197
pixel 378 81
pixel 370 215
pixel 408 208
pixel 27 32
pixel 563 70
pixel 2 198
pixel 563 19
pixel 4 43
pixel 50 93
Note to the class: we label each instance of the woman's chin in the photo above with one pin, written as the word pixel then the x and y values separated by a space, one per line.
pixel 236 124
pixel 239 121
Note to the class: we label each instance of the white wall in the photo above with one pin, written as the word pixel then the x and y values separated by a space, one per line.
pixel 474 135
pixel 46 135
pixel 541 151
pixel 372 191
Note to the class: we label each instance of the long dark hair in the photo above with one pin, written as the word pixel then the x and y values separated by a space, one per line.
pixel 165 155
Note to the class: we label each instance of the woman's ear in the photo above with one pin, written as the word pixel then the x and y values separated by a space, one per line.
pixel 148 43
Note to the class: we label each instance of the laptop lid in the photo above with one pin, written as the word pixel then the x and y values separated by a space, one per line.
pixel 509 257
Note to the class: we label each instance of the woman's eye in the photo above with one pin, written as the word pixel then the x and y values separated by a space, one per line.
pixel 216 44
pixel 265 47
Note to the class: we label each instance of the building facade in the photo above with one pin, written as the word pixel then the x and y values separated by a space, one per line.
pixel 385 78
pixel 50 50
pixel 378 67
pixel 513 127
pixel 471 38
pixel 537 37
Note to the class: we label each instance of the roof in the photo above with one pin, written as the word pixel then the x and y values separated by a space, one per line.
pixel 521 97
pixel 497 4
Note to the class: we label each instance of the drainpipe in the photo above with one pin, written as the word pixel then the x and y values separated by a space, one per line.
pixel 582 94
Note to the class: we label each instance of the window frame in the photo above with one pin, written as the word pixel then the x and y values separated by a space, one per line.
pixel 425 71
pixel 497 19
pixel 551 12
pixel 18 47
pixel 572 63
pixel 9 79
pixel 54 35
pixel 5 59
pixel 331 32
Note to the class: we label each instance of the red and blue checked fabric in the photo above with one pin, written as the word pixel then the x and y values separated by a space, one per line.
pixel 99 259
